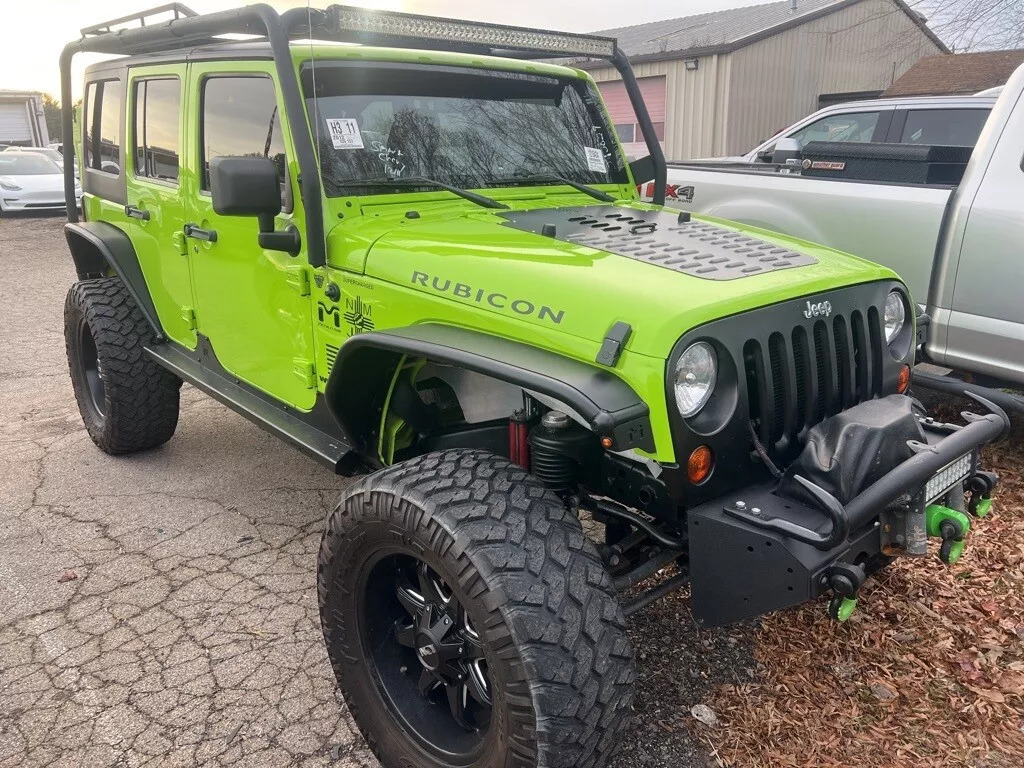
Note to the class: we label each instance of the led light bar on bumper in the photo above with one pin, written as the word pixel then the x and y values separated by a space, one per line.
pixel 368 24
pixel 951 474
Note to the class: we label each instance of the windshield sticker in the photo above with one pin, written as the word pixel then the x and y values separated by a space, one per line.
pixel 595 160
pixel 344 133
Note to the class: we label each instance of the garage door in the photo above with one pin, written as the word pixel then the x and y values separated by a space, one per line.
pixel 14 123
pixel 621 110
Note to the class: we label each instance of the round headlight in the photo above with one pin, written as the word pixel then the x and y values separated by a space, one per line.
pixel 696 373
pixel 895 315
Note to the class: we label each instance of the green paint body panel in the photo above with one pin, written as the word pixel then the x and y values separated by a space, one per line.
pixel 159 242
pixel 271 324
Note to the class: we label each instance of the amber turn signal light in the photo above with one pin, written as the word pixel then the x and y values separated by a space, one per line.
pixel 904 379
pixel 698 466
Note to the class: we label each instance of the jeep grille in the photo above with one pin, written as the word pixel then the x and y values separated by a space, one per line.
pixel 800 377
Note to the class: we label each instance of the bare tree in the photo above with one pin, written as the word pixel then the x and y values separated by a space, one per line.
pixel 975 25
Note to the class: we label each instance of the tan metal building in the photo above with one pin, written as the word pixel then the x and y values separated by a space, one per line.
pixel 718 83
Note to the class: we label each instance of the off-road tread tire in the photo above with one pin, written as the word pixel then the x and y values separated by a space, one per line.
pixel 552 612
pixel 142 399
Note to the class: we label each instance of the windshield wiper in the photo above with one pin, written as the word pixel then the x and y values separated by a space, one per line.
pixel 473 197
pixel 597 194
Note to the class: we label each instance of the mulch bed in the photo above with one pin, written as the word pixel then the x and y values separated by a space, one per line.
pixel 929 671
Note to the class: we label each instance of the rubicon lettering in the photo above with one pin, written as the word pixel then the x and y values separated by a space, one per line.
pixel 487 297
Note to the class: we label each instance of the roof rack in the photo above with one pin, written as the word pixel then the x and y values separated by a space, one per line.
pixel 349 24
pixel 178 9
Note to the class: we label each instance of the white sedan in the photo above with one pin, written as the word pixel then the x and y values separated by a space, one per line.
pixel 30 182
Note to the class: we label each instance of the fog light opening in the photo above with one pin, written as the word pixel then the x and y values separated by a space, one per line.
pixel 904 379
pixel 699 465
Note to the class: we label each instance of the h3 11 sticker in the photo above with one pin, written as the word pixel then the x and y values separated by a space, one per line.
pixel 344 133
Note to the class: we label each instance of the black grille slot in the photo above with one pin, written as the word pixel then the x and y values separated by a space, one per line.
pixel 795 380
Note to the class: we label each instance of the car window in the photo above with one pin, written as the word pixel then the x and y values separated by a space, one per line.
pixel 854 126
pixel 103 126
pixel 239 117
pixel 26 164
pixel 157 128
pixel 957 127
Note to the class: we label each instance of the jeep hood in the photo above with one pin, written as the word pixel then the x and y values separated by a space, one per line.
pixel 539 267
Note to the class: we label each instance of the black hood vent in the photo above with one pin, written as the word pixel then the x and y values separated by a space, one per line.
pixel 662 238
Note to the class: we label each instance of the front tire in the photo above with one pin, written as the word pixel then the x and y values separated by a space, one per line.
pixel 128 402
pixel 470 622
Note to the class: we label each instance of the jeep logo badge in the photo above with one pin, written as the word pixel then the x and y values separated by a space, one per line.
pixel 821 309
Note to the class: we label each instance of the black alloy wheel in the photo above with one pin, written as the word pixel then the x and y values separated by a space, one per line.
pixel 91 370
pixel 424 647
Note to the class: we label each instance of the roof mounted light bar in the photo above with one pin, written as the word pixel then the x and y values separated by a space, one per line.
pixel 367 25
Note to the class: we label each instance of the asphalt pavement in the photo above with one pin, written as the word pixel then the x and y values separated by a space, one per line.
pixel 160 609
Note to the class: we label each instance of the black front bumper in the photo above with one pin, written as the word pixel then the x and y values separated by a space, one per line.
pixel 755 551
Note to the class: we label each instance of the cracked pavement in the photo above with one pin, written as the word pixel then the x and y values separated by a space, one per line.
pixel 189 634
pixel 160 609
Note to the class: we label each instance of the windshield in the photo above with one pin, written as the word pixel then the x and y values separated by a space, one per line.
pixel 462 127
pixel 26 164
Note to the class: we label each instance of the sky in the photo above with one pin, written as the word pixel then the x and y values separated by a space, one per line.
pixel 33 32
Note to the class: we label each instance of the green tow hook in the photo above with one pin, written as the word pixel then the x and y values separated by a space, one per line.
pixel 844 579
pixel 841 608
pixel 980 487
pixel 951 526
pixel 983 507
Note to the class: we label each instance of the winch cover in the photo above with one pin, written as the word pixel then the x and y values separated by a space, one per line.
pixel 846 453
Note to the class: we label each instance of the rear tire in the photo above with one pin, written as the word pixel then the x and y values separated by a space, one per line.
pixel 506 567
pixel 128 402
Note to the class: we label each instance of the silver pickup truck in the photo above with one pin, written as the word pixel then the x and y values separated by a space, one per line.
pixel 959 247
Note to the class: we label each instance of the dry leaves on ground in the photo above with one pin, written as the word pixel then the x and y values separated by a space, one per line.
pixel 928 672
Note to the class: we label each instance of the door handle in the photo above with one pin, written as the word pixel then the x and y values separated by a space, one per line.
pixel 197 233
pixel 136 213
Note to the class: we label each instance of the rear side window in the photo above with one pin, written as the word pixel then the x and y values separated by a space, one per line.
pixel 239 117
pixel 157 128
pixel 103 126
pixel 854 126
pixel 957 127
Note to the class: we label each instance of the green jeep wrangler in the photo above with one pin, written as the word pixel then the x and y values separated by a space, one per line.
pixel 427 262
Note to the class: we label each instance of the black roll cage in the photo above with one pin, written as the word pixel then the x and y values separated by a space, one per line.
pixel 188 29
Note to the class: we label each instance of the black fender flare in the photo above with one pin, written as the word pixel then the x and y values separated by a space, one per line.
pixel 359 381
pixel 99 248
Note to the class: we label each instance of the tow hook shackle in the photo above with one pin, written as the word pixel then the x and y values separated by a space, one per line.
pixel 844 579
pixel 980 486
pixel 952 527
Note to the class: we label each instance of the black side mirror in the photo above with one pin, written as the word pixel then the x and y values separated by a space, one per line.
pixel 249 186
pixel 245 186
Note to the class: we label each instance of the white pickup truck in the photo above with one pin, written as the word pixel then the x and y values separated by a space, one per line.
pixel 960 248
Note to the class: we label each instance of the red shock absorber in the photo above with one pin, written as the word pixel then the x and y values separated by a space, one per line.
pixel 518 447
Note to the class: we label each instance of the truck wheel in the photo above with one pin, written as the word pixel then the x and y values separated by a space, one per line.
pixel 469 621
pixel 127 401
